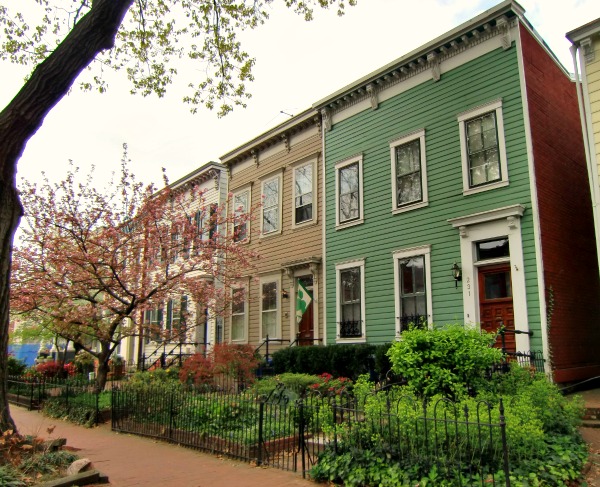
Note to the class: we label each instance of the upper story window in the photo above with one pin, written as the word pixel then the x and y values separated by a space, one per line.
pixel 409 172
pixel 304 193
pixel 271 209
pixel 241 206
pixel 349 192
pixel 483 149
pixel 351 301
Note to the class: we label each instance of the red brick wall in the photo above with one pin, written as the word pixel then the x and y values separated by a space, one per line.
pixel 568 245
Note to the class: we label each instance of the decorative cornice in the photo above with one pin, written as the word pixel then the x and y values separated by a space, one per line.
pixel 588 49
pixel 212 170
pixel 372 91
pixel 409 67
pixel 252 149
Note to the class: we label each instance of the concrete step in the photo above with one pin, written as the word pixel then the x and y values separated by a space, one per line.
pixel 591 423
pixel 591 413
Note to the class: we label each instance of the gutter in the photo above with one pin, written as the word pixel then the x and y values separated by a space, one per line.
pixel 592 168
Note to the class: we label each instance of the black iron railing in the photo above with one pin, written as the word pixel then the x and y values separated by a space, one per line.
pixel 291 434
pixel 350 328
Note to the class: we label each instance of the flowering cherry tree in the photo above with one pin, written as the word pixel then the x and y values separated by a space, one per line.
pixel 90 262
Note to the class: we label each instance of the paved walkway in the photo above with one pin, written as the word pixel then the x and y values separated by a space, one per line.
pixel 134 461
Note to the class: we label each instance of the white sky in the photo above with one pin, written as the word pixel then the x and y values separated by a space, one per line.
pixel 298 63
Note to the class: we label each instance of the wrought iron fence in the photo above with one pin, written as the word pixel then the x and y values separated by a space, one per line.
pixel 467 444
pixel 65 395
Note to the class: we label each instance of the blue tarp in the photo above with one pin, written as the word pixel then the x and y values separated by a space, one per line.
pixel 25 352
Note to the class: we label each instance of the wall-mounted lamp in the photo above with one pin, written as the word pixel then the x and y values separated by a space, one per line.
pixel 284 294
pixel 456 274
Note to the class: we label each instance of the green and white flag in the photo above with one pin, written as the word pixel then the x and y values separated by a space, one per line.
pixel 302 302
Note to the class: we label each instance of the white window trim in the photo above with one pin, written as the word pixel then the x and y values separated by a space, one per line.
pixel 340 165
pixel 313 220
pixel 243 189
pixel 424 250
pixel 245 338
pixel 405 139
pixel 496 106
pixel 264 280
pixel 338 312
pixel 265 180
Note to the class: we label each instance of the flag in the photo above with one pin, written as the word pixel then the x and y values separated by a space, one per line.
pixel 302 302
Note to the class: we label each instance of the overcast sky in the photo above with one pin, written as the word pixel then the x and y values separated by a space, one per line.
pixel 298 63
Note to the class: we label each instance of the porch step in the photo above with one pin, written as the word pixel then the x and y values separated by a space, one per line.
pixel 591 414
pixel 590 423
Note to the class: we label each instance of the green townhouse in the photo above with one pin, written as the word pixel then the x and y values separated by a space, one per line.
pixel 456 191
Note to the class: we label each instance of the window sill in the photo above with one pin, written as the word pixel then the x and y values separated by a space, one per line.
pixel 486 187
pixel 341 226
pixel 269 235
pixel 409 207
pixel 351 340
pixel 306 224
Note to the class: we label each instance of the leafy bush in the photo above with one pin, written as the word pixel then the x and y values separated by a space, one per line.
pixel 450 361
pixel 340 360
pixel 15 367
pixel 47 462
pixel 226 365
pixel 55 369
pixel 291 381
pixel 10 477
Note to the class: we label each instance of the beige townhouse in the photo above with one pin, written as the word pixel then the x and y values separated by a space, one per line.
pixel 279 175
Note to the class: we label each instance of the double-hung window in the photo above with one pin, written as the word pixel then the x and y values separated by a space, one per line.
pixel 269 307
pixel 483 149
pixel 271 193
pixel 349 192
pixel 304 193
pixel 239 315
pixel 413 289
pixel 351 301
pixel 409 172
pixel 241 206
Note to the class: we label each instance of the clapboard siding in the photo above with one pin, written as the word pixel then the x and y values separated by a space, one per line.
pixel 301 242
pixel 432 106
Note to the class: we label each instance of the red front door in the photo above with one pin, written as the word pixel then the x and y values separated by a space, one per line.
pixel 496 302
pixel 306 325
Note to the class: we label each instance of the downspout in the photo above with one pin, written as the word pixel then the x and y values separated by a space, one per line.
pixel 323 239
pixel 591 166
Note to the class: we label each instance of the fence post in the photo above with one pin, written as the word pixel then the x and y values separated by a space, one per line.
pixel 97 391
pixel 504 444
pixel 31 397
pixel 261 424
pixel 301 435
pixel 171 414
pixel 67 398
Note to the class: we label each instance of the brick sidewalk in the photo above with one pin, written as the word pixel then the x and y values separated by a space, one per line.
pixel 135 461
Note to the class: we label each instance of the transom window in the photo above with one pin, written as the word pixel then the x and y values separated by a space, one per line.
pixel 493 249
pixel 409 172
pixel 303 193
pixel 482 148
pixel 270 209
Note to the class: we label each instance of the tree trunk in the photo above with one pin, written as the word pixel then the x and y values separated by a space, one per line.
pixel 10 214
pixel 21 119
pixel 102 374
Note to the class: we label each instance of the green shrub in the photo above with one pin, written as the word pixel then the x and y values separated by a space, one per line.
pixel 10 477
pixel 340 360
pixel 47 462
pixel 292 381
pixel 450 361
pixel 15 367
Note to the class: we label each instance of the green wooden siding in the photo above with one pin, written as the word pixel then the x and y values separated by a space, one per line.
pixel 433 106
